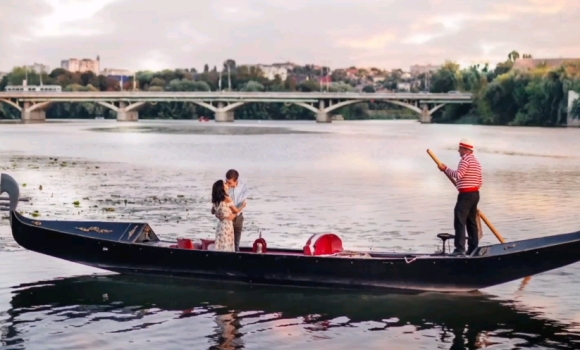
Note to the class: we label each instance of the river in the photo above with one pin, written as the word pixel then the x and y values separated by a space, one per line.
pixel 371 182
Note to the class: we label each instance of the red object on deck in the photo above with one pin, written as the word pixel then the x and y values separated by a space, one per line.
pixel 206 242
pixel 184 243
pixel 255 246
pixel 323 244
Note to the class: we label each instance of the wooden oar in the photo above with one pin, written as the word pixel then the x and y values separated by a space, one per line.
pixel 493 230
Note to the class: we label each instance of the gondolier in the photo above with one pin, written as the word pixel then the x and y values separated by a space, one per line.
pixel 468 182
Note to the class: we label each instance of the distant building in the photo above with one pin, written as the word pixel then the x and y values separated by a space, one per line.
pixel 378 78
pixel 270 71
pixel 82 65
pixel 38 68
pixel 403 86
pixel 424 69
pixel 117 74
pixel 351 72
pixel 300 78
pixel 324 80
pixel 287 65
pixel 531 63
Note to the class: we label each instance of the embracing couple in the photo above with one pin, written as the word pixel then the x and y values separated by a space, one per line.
pixel 228 199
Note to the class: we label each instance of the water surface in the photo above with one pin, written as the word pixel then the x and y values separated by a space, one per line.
pixel 370 182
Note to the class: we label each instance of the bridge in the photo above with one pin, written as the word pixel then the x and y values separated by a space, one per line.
pixel 126 104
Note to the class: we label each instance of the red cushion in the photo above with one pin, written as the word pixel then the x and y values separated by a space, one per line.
pixel 323 244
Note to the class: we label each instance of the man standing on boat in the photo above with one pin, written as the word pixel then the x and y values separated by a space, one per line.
pixel 468 181
pixel 238 192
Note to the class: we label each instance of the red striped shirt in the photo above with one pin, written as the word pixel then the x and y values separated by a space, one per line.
pixel 467 175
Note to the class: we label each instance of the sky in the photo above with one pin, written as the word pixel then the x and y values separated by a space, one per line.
pixel 387 34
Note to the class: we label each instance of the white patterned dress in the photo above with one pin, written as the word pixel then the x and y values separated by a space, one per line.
pixel 224 232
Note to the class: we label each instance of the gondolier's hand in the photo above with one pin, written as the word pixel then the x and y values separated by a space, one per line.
pixel 442 167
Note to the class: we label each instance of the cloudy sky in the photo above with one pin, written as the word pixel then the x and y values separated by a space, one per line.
pixel 157 34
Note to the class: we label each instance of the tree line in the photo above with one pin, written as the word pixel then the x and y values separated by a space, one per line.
pixel 506 96
pixel 502 96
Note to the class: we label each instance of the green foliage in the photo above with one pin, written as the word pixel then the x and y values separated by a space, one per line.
pixel 536 97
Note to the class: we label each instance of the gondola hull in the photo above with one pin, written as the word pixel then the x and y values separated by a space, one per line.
pixel 488 266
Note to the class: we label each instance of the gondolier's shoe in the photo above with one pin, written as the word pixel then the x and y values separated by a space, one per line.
pixel 457 252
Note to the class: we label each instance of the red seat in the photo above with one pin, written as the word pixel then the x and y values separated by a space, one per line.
pixel 323 244
pixel 184 243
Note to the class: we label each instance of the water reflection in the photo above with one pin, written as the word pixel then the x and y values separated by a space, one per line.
pixel 228 316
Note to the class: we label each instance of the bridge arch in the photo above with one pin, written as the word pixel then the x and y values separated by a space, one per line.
pixel 39 105
pixel 406 105
pixel 228 108
pixel 307 106
pixel 340 105
pixel 436 108
pixel 11 103
pixel 346 103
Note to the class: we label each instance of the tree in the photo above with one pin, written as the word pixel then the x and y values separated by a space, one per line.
pixel 253 86
pixel 446 79
pixel 229 63
pixel 309 86
pixel 58 71
pixel 513 56
pixel 369 89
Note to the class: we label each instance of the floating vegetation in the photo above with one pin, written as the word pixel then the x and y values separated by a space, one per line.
pixel 207 130
pixel 76 203
pixel 109 209
pixel 24 185
pixel 35 214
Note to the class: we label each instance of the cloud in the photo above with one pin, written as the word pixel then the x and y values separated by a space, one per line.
pixel 377 41
pixel 140 34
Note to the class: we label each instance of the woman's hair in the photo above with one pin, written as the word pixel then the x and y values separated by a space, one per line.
pixel 218 194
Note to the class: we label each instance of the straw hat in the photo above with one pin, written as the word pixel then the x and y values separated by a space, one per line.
pixel 467 143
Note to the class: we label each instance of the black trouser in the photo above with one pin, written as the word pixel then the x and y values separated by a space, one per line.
pixel 238 224
pixel 465 214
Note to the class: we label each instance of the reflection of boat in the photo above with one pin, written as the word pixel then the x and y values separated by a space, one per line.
pixel 132 297
pixel 134 248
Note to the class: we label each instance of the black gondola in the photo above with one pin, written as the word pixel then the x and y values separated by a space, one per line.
pixel 134 248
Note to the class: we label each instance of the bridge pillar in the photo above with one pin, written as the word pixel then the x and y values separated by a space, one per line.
pixel 425 117
pixel 572 119
pixel 222 116
pixel 322 116
pixel 126 116
pixel 36 116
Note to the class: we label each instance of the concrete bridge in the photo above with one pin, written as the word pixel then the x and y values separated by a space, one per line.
pixel 126 104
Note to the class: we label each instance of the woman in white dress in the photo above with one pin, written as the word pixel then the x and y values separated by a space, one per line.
pixel 222 204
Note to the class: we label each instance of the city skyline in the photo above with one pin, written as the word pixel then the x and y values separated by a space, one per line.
pixel 142 35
